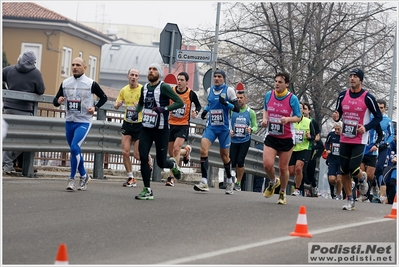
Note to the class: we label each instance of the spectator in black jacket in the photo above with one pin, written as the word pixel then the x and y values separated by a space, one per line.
pixel 26 78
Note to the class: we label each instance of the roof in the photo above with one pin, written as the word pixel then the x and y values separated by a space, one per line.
pixel 117 58
pixel 35 12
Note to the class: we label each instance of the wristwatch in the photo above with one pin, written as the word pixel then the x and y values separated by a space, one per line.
pixel 95 108
pixel 166 108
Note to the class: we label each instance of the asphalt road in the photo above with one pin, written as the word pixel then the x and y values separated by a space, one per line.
pixel 106 225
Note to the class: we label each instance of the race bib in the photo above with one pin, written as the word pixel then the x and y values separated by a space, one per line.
pixel 179 113
pixel 150 118
pixel 335 149
pixel 349 128
pixel 239 130
pixel 74 105
pixel 299 137
pixel 130 111
pixel 217 117
pixel 275 126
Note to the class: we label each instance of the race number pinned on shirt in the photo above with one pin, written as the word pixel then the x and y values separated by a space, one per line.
pixel 74 105
pixel 130 111
pixel 275 126
pixel 150 118
pixel 179 113
pixel 299 136
pixel 217 117
pixel 349 128
pixel 335 149
pixel 239 130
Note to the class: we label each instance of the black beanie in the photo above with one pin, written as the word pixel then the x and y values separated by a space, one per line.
pixel 358 72
pixel 218 71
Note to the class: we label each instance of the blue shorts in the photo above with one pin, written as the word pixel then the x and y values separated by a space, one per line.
pixel 223 136
pixel 333 168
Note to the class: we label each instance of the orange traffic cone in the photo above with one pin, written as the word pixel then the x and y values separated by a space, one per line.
pixel 62 256
pixel 393 211
pixel 301 227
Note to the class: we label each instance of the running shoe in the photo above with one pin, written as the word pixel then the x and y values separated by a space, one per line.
pixel 170 181
pixel 282 198
pixel 338 197
pixel 362 198
pixel 186 157
pixel 237 187
pixel 83 182
pixel 10 171
pixel 201 186
pixel 350 205
pixel 364 186
pixel 296 193
pixel 315 192
pixel 145 195
pixel 175 169
pixel 131 182
pixel 271 187
pixel 71 185
pixel 229 189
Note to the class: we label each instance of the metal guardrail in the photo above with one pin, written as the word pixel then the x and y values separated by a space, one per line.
pixel 46 134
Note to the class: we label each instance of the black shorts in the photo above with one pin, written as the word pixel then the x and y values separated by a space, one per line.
pixel 303 155
pixel 180 131
pixel 279 144
pixel 132 129
pixel 370 160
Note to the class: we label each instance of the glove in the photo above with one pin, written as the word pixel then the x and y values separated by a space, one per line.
pixel 159 110
pixel 203 114
pixel 135 116
pixel 223 101
pixel 383 146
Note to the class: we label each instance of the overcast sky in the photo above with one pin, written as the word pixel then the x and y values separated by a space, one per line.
pixel 186 14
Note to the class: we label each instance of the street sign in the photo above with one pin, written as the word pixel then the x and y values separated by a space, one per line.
pixel 194 55
pixel 240 87
pixel 170 40
pixel 170 79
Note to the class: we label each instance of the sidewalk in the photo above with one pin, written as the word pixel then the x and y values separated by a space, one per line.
pixel 48 172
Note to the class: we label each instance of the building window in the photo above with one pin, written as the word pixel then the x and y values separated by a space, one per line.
pixel 81 54
pixel 92 67
pixel 66 61
pixel 35 48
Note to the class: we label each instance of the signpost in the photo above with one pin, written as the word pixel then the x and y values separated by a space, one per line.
pixel 170 40
pixel 240 87
pixel 207 80
pixel 170 79
pixel 194 55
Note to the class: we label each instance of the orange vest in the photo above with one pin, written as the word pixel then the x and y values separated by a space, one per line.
pixel 181 116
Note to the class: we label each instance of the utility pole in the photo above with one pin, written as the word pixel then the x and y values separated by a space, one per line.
pixel 215 47
pixel 393 78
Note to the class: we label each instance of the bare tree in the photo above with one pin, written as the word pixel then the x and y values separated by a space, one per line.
pixel 317 43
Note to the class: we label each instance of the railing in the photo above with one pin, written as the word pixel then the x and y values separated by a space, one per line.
pixel 47 134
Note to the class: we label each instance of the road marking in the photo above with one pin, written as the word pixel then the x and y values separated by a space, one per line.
pixel 266 242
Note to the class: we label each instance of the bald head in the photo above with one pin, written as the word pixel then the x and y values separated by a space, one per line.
pixel 78 66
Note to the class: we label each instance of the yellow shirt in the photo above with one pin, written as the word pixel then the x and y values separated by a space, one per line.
pixel 131 99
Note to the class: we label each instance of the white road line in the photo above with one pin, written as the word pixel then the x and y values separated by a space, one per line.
pixel 266 242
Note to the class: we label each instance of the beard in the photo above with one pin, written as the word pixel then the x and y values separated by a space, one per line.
pixel 153 78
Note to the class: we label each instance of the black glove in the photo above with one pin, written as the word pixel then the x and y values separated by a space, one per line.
pixel 159 110
pixel 135 116
pixel 223 101
pixel 383 146
pixel 203 114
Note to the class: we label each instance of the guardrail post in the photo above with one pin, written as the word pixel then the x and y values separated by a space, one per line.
pixel 98 168
pixel 156 172
pixel 249 183
pixel 27 164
